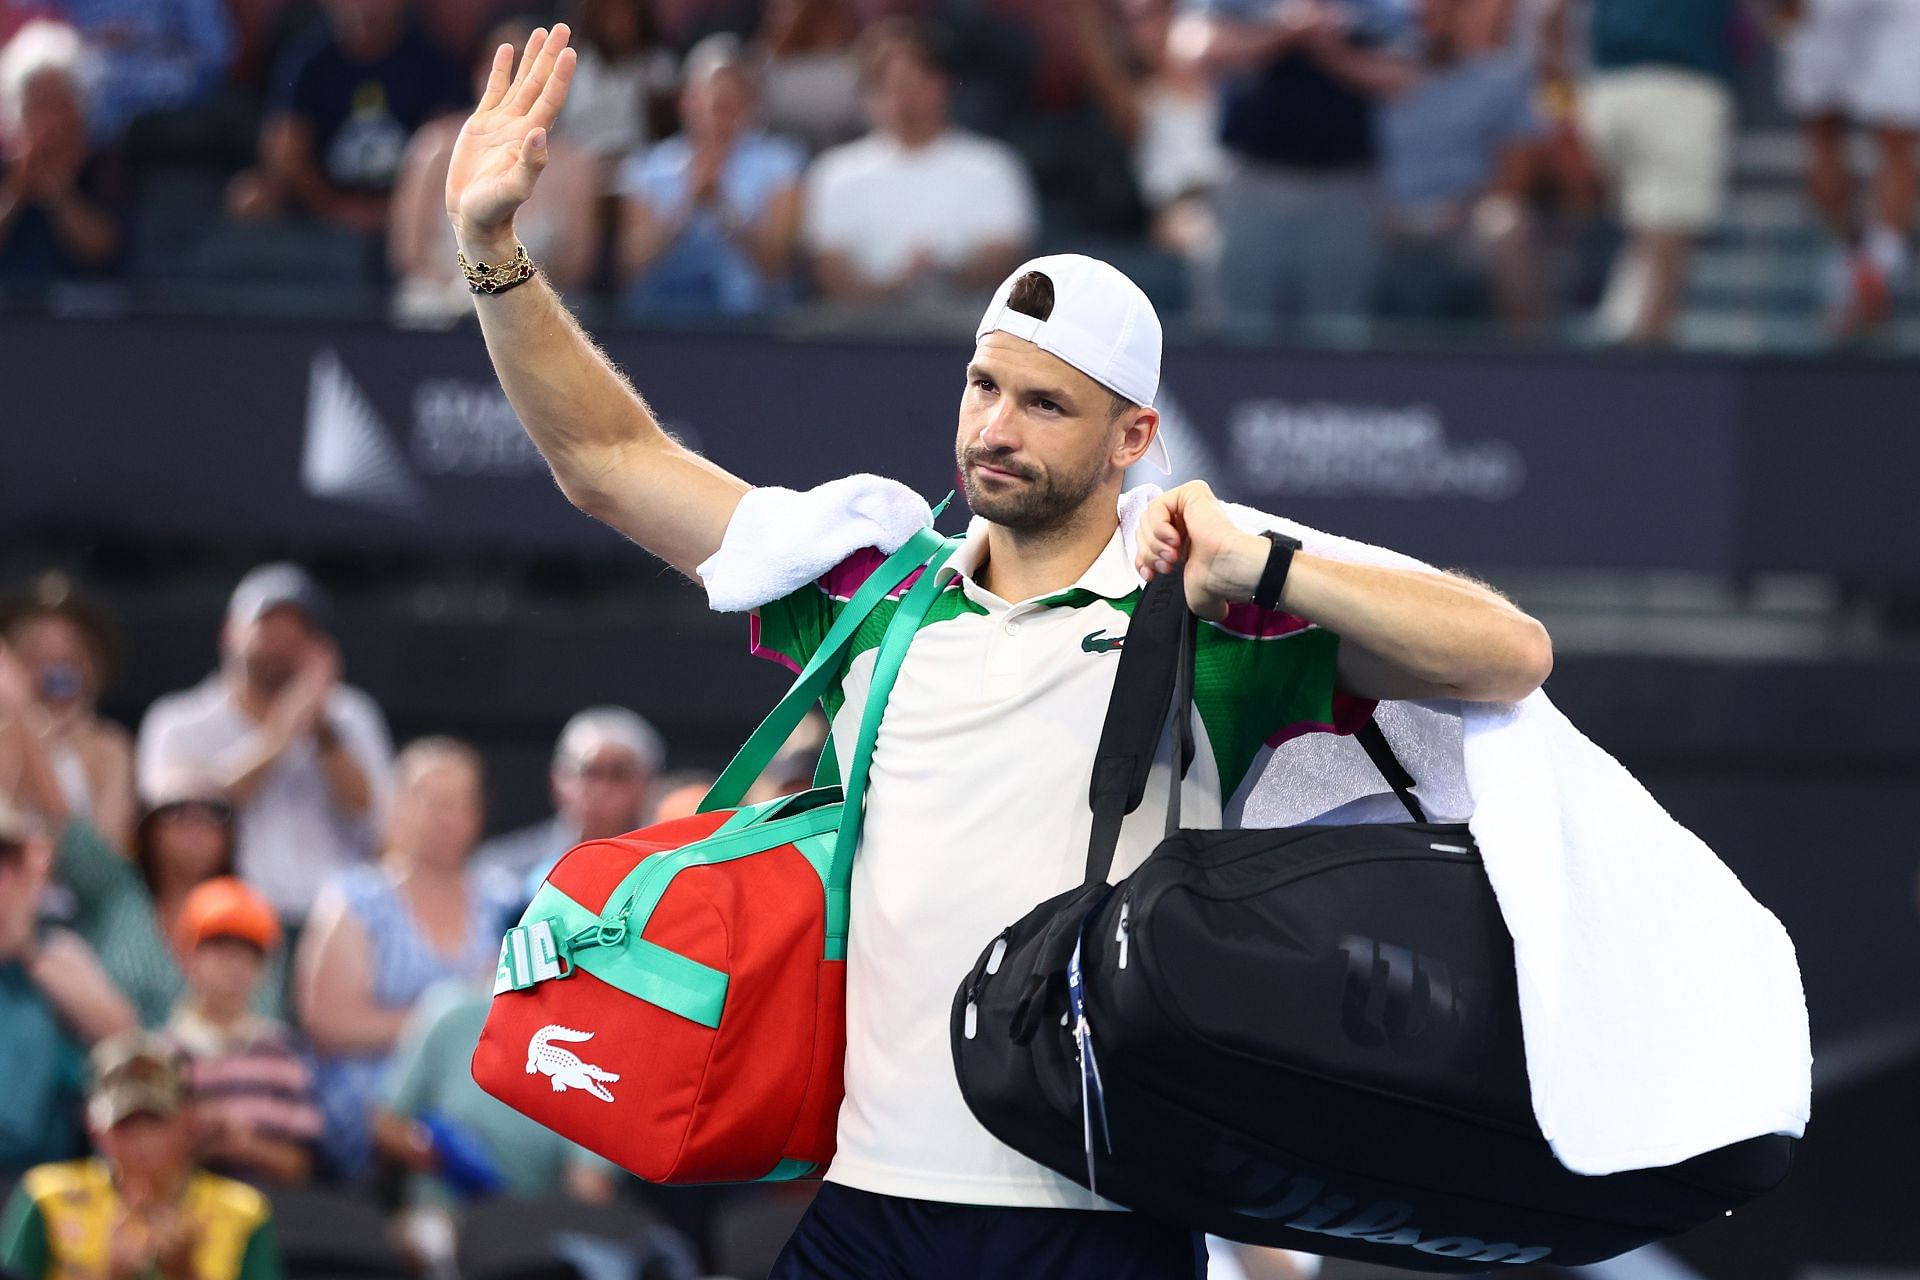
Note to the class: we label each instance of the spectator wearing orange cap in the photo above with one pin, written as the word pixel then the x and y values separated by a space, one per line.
pixel 253 1094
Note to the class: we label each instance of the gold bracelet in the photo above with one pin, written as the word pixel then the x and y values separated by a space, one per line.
pixel 484 278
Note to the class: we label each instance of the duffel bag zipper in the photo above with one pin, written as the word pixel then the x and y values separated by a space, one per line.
pixel 1120 934
pixel 971 1023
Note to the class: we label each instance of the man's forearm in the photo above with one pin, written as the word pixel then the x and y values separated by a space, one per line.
pixel 1421 634
pixel 581 413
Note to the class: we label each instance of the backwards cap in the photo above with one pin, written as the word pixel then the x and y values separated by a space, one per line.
pixel 1101 324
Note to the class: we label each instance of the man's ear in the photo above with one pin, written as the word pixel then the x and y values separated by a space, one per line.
pixel 1138 427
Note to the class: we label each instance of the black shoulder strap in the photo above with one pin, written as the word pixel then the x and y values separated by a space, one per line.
pixel 1156 674
pixel 1381 753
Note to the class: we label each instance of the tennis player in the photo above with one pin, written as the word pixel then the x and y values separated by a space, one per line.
pixel 990 731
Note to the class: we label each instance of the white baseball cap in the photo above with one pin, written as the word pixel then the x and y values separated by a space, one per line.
pixel 1101 324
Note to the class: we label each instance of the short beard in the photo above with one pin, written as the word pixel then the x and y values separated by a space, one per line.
pixel 1045 504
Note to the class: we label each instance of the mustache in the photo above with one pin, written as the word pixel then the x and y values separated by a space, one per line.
pixel 997 461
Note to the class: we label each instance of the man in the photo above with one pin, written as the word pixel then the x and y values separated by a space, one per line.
pixel 1849 62
pixel 141 1208
pixel 341 109
pixel 990 731
pixel 1658 112
pixel 1298 208
pixel 1454 150
pixel 602 775
pixel 917 209
pixel 305 759
pixel 55 1000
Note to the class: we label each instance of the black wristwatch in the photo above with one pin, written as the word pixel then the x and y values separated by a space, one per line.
pixel 1273 578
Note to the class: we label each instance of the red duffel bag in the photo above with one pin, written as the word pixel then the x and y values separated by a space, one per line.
pixel 675 999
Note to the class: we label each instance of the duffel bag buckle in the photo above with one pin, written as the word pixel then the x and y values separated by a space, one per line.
pixel 530 955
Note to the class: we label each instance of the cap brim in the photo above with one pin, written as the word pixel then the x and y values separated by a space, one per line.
pixel 1157 454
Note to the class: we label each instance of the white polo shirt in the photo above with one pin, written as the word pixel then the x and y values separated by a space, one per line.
pixel 977 812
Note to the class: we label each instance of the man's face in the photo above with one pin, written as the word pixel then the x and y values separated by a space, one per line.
pixel 59 658
pixel 273 647
pixel 1036 441
pixel 147 1152
pixel 907 97
pixel 603 791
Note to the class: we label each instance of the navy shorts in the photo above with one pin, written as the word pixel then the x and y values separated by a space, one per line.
pixel 857 1235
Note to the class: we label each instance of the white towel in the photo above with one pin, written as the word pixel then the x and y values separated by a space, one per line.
pixel 1660 1004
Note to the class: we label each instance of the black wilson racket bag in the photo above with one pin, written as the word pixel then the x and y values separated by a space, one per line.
pixel 1306 1037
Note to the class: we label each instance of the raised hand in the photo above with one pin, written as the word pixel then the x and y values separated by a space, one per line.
pixel 503 146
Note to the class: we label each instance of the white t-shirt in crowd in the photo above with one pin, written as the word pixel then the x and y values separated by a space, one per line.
pixel 290 837
pixel 878 202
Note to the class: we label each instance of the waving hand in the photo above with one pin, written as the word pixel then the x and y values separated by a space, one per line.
pixel 503 145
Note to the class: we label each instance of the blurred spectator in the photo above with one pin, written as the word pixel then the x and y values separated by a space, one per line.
pixel 1658 113
pixel 150 55
pixel 711 215
pixel 1850 62
pixel 557 225
pixel 917 208
pixel 601 779
pixel 305 758
pixel 809 72
pixel 254 1113
pixel 129 911
pixel 1454 150
pixel 382 934
pixel 1170 116
pixel 54 1000
pixel 70 648
pixel 459 1143
pixel 459 27
pixel 141 1208
pixel 623 82
pixel 56 195
pixel 342 105
pixel 1299 208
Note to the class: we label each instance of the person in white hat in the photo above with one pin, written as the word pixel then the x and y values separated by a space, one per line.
pixel 990 730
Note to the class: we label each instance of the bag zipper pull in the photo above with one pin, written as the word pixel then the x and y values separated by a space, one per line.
pixel 1120 934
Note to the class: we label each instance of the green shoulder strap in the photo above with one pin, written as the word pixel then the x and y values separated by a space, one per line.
pixel 886 666
pixel 766 740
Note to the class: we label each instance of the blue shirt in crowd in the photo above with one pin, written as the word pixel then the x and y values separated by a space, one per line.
pixel 1441 141
pixel 150 55
pixel 704 271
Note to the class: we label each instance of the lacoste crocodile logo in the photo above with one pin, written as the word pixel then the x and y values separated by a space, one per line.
pixel 568 1072
pixel 1100 642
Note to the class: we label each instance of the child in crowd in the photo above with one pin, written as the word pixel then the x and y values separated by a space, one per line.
pixel 253 1094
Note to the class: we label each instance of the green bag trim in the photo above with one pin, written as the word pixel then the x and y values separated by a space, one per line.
pixel 788 1170
pixel 644 970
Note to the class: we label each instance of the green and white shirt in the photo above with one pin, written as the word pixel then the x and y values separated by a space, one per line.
pixel 977 812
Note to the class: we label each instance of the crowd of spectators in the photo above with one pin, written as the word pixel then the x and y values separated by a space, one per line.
pixel 291 925
pixel 1252 162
